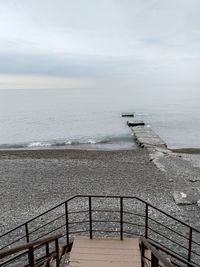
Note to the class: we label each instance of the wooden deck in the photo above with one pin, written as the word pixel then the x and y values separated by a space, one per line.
pixel 105 252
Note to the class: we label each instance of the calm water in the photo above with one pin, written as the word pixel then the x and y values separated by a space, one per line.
pixel 85 117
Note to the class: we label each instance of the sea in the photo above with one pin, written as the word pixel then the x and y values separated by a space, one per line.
pixel 90 118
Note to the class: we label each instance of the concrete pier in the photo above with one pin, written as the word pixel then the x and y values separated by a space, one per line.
pixel 183 173
pixel 135 123
pixel 146 137
pixel 127 114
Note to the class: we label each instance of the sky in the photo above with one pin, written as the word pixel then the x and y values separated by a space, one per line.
pixel 92 43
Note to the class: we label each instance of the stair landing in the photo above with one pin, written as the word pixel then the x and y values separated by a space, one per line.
pixel 105 252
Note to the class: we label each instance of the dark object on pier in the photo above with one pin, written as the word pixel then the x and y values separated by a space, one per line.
pixel 135 123
pixel 127 114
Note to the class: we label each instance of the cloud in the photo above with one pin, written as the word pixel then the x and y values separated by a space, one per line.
pixel 42 81
pixel 129 40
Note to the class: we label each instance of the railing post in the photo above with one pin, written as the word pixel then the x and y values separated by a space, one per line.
pixel 57 252
pixel 27 232
pixel 146 220
pixel 31 257
pixel 154 261
pixel 121 218
pixel 142 253
pixel 47 253
pixel 67 222
pixel 90 216
pixel 190 245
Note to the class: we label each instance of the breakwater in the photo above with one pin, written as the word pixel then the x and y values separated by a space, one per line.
pixel 181 173
pixel 146 137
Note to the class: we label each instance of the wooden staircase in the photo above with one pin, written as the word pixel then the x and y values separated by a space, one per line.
pixel 170 242
pixel 105 252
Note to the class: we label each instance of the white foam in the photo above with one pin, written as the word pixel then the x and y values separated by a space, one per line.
pixel 38 144
pixel 91 141
pixel 68 142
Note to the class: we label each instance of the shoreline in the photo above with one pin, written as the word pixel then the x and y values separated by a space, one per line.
pixel 112 147
pixel 88 147
pixel 124 148
pixel 54 153
pixel 185 150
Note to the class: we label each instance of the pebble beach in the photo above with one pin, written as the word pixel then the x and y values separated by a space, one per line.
pixel 32 181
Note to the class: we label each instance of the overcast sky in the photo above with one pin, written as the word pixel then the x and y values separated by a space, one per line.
pixel 87 43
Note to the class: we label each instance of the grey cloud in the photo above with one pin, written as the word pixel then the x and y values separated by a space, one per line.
pixel 62 65
pixel 122 39
pixel 110 68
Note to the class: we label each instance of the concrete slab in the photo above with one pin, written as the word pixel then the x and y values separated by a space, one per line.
pixel 145 136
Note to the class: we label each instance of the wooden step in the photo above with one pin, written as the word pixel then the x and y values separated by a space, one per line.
pixel 105 252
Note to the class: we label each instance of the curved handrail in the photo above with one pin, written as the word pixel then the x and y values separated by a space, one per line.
pixel 154 252
pixel 99 196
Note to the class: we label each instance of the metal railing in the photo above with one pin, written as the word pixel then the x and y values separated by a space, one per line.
pixel 29 249
pixel 154 259
pixel 166 255
pixel 110 216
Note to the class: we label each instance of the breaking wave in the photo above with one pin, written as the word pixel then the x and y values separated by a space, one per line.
pixel 69 142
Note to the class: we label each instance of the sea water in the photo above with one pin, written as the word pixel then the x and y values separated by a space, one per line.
pixel 91 118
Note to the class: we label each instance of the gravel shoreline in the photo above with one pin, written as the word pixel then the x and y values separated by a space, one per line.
pixel 32 181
